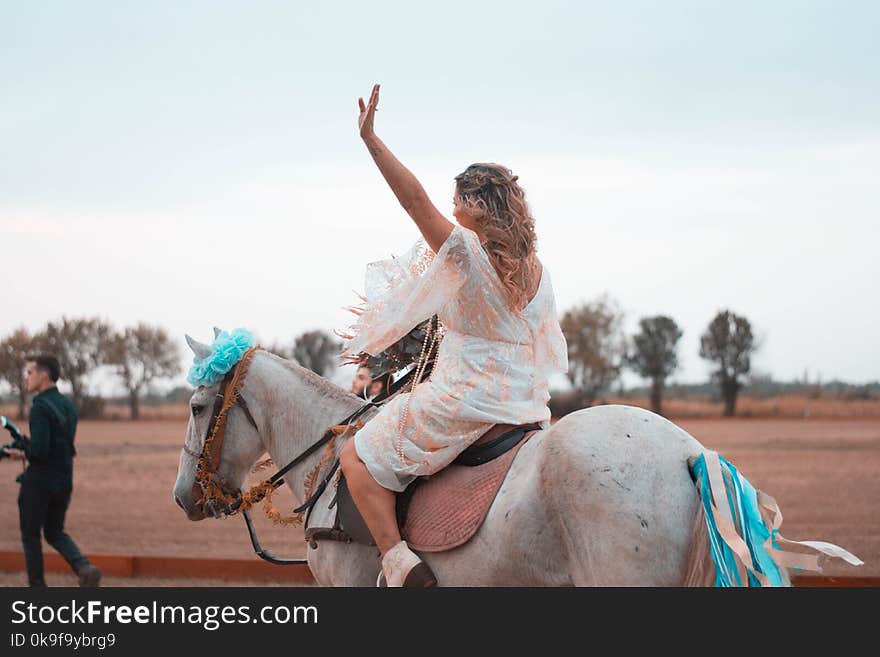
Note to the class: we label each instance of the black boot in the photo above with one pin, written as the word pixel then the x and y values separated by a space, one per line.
pixel 89 575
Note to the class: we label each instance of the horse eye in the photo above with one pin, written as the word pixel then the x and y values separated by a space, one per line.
pixel 196 409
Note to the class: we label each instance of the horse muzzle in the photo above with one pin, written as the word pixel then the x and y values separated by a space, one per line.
pixel 191 502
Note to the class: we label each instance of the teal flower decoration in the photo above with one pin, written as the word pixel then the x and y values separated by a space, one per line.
pixel 226 350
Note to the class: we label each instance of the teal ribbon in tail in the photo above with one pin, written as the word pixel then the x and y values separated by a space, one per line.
pixel 743 504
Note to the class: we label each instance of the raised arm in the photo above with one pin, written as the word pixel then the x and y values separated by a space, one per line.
pixel 435 228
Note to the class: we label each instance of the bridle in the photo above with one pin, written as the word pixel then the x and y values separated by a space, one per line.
pixel 214 488
pixel 226 499
pixel 215 491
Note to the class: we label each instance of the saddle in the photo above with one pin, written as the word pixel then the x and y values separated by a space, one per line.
pixel 441 511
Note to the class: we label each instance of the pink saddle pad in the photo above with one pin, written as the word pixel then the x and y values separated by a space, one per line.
pixel 446 509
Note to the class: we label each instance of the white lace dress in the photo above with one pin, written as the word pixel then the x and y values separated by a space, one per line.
pixel 492 366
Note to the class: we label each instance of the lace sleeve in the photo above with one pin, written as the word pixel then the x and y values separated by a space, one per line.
pixel 402 292
pixel 552 348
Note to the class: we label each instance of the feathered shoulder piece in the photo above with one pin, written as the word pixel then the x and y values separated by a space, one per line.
pixel 401 354
pixel 382 312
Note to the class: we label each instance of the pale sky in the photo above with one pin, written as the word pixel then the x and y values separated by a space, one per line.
pixel 198 164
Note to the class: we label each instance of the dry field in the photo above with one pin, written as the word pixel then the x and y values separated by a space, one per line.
pixel 781 406
pixel 122 504
pixel 822 472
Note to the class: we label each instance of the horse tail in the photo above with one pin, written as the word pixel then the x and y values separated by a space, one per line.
pixel 734 543
pixel 699 567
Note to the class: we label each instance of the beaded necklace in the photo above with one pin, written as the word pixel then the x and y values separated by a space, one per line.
pixel 432 333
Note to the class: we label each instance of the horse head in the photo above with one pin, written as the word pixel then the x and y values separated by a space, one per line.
pixel 241 448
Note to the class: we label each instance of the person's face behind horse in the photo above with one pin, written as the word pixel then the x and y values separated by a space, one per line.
pixel 361 380
pixel 375 388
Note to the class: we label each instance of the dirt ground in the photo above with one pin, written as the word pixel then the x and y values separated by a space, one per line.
pixel 823 473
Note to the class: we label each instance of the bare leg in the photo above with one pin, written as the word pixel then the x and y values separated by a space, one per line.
pixel 375 502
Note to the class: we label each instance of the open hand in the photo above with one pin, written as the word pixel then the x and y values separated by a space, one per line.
pixel 365 120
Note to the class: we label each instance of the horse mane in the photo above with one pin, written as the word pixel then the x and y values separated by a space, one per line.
pixel 325 387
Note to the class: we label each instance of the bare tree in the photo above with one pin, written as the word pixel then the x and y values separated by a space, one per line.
pixel 80 346
pixel 316 350
pixel 654 354
pixel 140 355
pixel 728 341
pixel 13 350
pixel 596 346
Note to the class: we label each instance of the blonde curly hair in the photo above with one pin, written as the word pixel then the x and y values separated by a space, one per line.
pixel 490 194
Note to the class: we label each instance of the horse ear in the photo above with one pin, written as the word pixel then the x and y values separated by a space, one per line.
pixel 216 333
pixel 200 349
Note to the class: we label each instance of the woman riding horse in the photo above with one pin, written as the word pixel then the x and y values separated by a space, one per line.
pixel 502 339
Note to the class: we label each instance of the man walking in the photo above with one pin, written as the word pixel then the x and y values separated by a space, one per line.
pixel 47 483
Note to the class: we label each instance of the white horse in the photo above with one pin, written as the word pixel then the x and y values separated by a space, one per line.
pixel 601 498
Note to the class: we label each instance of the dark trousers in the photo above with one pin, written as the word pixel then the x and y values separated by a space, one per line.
pixel 39 508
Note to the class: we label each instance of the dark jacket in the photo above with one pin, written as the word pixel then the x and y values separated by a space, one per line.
pixel 50 452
